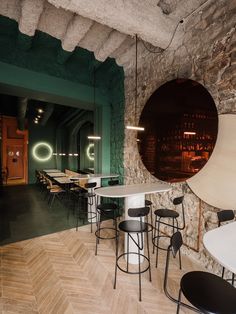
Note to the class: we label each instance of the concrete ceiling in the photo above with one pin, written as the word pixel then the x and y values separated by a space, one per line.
pixel 104 27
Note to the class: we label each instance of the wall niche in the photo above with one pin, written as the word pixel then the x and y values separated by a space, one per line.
pixel 181 126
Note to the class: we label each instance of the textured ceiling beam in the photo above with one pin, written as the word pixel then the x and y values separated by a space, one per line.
pixel 31 11
pixel 95 37
pixel 110 45
pixel 129 17
pixel 76 30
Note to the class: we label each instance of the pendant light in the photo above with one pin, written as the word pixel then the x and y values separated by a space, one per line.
pixel 93 136
pixel 135 127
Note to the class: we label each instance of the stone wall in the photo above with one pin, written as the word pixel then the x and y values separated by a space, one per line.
pixel 203 49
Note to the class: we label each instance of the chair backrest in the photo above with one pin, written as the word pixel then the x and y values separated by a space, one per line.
pixel 180 201
pixel 90 185
pixel 113 182
pixel 138 212
pixel 225 215
pixel 176 242
pixel 106 206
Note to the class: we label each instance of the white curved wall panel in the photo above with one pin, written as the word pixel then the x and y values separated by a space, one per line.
pixel 215 184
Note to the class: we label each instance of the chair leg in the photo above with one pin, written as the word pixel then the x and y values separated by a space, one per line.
pixel 148 251
pixel 98 235
pixel 154 235
pixel 232 278
pixel 52 200
pixel 117 245
pixel 158 237
pixel 223 272
pixel 180 261
pixel 179 301
pixel 139 270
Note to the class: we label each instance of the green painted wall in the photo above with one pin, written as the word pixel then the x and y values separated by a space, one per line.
pixel 38 133
pixel 37 67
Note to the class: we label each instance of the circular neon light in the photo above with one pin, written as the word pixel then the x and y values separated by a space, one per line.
pixel 35 151
pixel 90 155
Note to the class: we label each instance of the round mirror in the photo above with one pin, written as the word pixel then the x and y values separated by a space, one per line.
pixel 181 125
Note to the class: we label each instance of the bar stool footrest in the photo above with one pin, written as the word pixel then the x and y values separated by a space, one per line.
pixel 160 247
pixel 132 272
pixel 107 238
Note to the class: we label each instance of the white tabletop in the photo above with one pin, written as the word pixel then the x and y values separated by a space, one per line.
pixel 56 174
pixel 64 180
pixel 94 176
pixel 134 189
pixel 221 244
pixel 51 170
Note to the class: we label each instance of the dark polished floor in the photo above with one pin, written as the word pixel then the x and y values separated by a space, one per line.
pixel 25 214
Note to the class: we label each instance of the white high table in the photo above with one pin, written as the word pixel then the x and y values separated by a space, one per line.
pixel 221 244
pixel 134 197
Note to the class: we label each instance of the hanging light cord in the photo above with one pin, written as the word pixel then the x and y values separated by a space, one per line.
pixel 136 77
pixel 176 27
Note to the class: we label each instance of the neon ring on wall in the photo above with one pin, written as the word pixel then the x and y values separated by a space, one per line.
pixel 89 153
pixel 35 151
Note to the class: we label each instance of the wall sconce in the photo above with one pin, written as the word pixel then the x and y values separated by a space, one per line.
pixel 36 151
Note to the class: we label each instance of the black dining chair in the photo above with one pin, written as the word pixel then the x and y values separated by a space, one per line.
pixel 225 216
pixel 206 292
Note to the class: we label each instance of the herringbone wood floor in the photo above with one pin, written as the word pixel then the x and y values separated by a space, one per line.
pixel 59 273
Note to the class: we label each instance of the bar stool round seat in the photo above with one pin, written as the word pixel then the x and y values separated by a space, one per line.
pixel 107 210
pixel 133 226
pixel 166 213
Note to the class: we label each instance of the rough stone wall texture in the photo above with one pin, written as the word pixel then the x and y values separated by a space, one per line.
pixel 206 52
pixel 117 124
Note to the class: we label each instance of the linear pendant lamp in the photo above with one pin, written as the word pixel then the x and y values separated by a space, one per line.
pixel 135 126
pixel 93 136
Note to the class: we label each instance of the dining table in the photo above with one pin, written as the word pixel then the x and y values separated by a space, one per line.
pixel 134 196
pixel 221 244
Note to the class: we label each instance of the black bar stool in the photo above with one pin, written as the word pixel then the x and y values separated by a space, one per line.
pixel 206 292
pixel 164 213
pixel 138 228
pixel 106 210
pixel 90 196
pixel 225 216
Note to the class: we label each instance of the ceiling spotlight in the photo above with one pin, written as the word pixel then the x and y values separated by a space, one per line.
pixel 36 121
pixel 76 154
pixel 70 154
pixel 40 110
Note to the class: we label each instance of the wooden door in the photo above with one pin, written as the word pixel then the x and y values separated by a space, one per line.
pixel 15 161
pixel 14 151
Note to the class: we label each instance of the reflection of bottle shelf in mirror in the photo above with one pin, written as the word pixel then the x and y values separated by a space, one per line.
pixel 149 154
pixel 187 145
